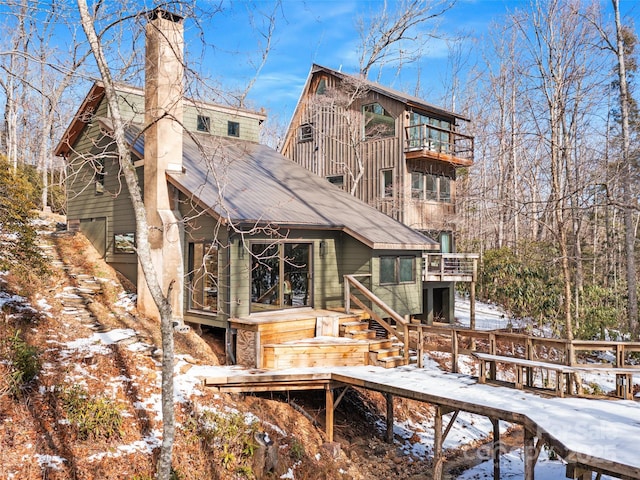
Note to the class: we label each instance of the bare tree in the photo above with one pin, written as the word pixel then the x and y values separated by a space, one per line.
pixel 393 36
pixel 626 173
pixel 160 298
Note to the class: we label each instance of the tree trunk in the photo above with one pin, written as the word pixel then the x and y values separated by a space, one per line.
pixel 627 194
pixel 143 247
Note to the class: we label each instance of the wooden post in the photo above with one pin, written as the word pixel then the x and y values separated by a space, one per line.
pixel 454 351
pixel 529 455
pixel 437 444
pixel 389 433
pixel 420 346
pixel 492 350
pixel 329 412
pixel 406 341
pixel 495 451
pixel 347 295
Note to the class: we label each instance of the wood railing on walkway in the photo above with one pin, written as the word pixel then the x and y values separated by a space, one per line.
pixel 401 328
pixel 461 341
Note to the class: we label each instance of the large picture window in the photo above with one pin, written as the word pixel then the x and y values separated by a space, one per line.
pixel 394 270
pixel 203 277
pixel 426 186
pixel 280 275
pixel 378 123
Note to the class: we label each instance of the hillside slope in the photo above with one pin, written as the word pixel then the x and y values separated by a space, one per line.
pixel 93 409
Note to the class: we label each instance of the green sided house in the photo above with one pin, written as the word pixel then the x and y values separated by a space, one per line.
pixel 252 242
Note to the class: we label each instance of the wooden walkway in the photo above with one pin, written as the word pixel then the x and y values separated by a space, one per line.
pixel 590 435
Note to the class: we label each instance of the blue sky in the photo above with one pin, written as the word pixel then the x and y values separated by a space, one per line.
pixel 324 32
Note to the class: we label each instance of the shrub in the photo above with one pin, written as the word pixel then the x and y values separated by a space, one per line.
pixel 18 248
pixel 23 364
pixel 227 435
pixel 94 417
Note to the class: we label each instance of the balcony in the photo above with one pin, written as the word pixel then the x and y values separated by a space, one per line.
pixel 450 267
pixel 429 142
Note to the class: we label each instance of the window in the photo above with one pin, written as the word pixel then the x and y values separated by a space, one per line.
pixel 386 183
pixel 322 86
pixel 445 242
pixel 378 123
pixel 99 173
pixel 427 186
pixel 280 276
pixel 337 180
pixel 204 123
pixel 428 132
pixel 233 129
pixel 203 277
pixel 394 270
pixel 124 243
pixel 305 132
pixel 417 185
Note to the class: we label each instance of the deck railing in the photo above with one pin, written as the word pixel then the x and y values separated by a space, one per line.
pixel 439 141
pixel 401 330
pixel 462 341
pixel 455 267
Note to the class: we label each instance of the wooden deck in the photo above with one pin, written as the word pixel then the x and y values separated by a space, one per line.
pixel 583 432
pixel 306 337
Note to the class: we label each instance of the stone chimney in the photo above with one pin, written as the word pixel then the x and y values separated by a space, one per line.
pixel 163 153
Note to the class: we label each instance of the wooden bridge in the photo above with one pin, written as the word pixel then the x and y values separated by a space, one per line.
pixel 307 349
pixel 590 435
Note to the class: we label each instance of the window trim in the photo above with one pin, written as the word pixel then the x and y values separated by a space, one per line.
pixel 207 247
pixel 203 123
pixel 397 260
pixel 432 194
pixel 124 251
pixel 386 191
pixel 391 132
pixel 233 129
pixel 305 132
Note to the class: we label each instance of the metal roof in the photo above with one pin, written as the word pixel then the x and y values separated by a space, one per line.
pixel 244 182
pixel 405 98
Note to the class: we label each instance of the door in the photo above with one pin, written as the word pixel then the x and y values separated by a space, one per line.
pixel 280 276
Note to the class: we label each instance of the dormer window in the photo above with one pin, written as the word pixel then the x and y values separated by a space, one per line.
pixel 305 132
pixel 378 123
pixel 204 123
pixel 233 129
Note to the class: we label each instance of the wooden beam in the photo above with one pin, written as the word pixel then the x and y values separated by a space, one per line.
pixel 329 409
pixel 340 397
pixel 389 433
pixel 578 473
pixel 531 453
pixel 495 449
pixel 438 440
pixel 450 424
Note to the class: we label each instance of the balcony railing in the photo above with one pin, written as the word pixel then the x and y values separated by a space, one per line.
pixel 450 267
pixel 430 141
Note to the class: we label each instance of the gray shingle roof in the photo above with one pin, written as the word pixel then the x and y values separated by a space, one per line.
pixel 250 183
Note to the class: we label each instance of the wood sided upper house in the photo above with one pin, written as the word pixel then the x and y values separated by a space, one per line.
pixel 252 242
pixel 395 152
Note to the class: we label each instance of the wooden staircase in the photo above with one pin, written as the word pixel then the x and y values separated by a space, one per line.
pixel 383 352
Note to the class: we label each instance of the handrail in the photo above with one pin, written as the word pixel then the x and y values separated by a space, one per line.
pixel 450 264
pixel 421 137
pixel 529 345
pixel 350 280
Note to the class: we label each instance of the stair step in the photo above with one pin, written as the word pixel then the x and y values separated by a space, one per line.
pixel 380 344
pixel 348 327
pixel 391 362
pixel 361 334
pixel 387 352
